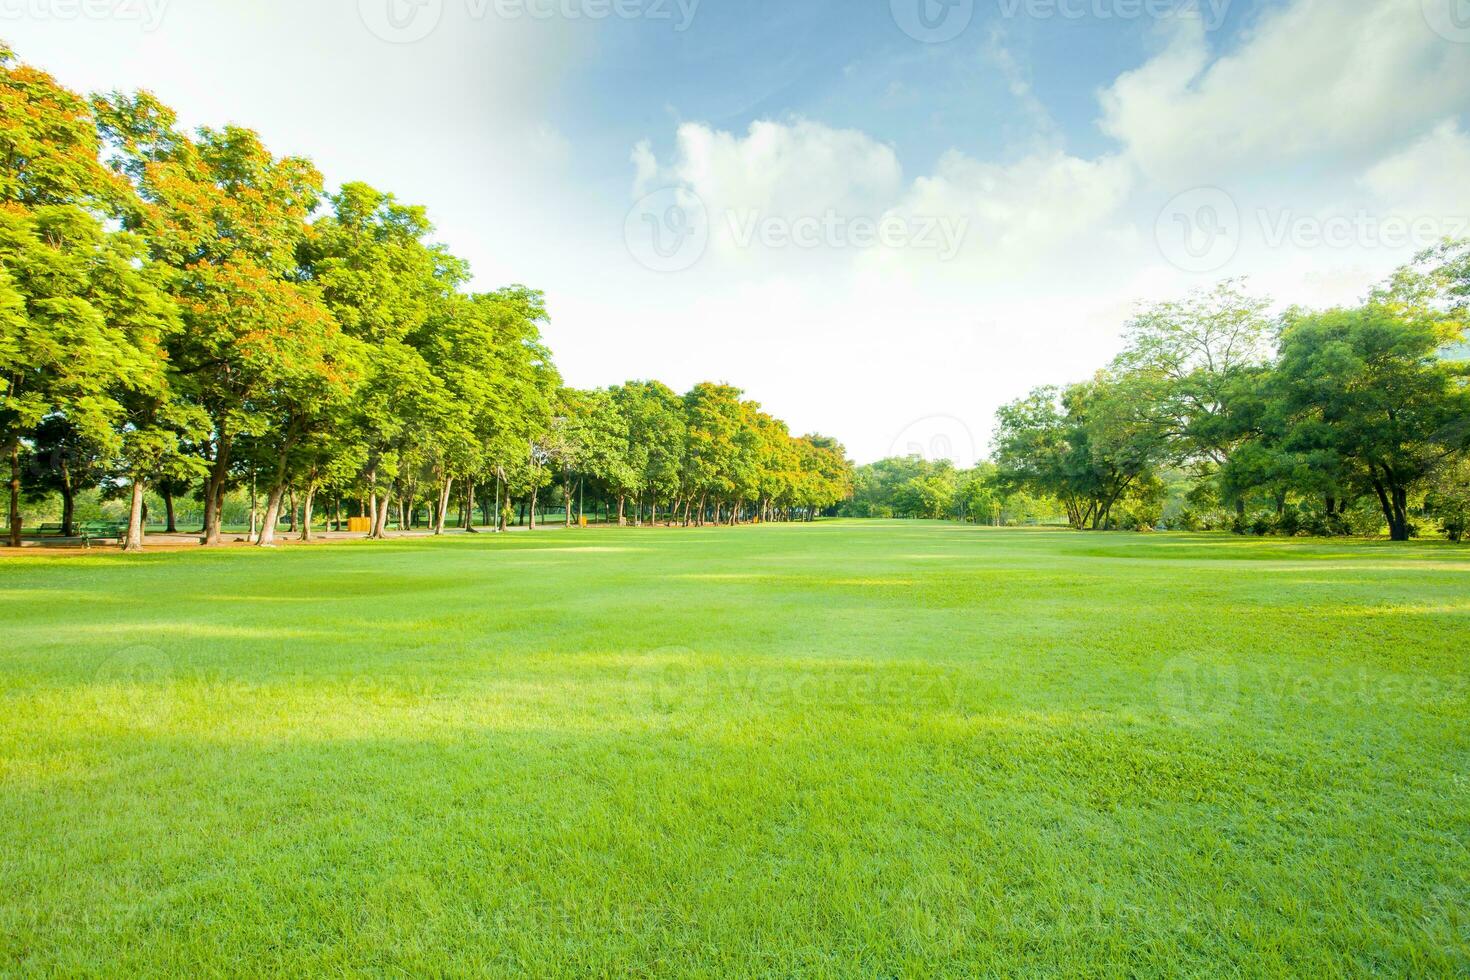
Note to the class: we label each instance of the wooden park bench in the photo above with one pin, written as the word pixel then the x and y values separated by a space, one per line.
pixel 49 529
pixel 101 530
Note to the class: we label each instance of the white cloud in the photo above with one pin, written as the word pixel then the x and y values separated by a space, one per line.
pixel 1040 205
pixel 1324 82
pixel 992 217
pixel 794 169
pixel 1059 247
pixel 1427 178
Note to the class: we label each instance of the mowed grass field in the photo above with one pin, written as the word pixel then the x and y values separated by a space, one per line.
pixel 844 749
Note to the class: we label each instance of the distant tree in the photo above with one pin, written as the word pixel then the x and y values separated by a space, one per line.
pixel 62 462
pixel 713 416
pixel 1087 446
pixel 1448 499
pixel 657 438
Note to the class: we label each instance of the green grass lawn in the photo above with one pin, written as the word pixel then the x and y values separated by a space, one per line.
pixel 841 749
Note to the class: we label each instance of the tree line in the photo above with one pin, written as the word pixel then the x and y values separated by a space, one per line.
pixel 1219 415
pixel 185 311
pixel 913 487
pixel 1291 423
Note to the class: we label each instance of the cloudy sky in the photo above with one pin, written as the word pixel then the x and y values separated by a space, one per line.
pixel 881 218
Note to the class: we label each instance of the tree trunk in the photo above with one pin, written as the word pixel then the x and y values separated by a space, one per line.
pixel 133 540
pixel 444 489
pixel 279 486
pixel 291 496
pixel 469 507
pixel 68 498
pixel 168 509
pixel 532 524
pixel 306 511
pixel 1394 502
pixel 267 536
pixel 379 516
pixel 621 500
pixel 12 528
pixel 214 492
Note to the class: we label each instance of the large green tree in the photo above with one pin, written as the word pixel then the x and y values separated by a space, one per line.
pixel 1368 385
pixel 56 343
pixel 1184 361
pixel 227 218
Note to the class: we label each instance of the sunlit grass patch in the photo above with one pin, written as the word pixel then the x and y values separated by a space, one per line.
pixel 873 749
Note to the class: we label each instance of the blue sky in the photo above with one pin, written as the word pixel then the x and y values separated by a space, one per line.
pixel 1044 167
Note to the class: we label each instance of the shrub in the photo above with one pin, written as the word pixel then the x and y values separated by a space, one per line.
pixel 1186 520
pixel 1289 524
pixel 1316 524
